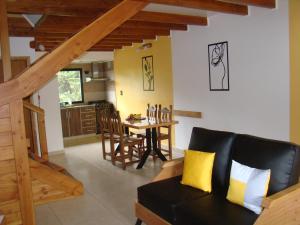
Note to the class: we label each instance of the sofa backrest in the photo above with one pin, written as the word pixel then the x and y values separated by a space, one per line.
pixel 215 141
pixel 282 158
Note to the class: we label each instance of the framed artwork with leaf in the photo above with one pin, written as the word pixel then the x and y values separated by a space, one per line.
pixel 148 73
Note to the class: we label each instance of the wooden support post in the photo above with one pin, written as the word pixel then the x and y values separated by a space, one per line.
pixel 42 136
pixel 4 41
pixel 22 164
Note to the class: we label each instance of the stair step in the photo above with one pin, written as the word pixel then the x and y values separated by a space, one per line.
pixel 54 166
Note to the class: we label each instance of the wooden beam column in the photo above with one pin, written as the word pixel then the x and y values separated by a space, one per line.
pixel 4 41
pixel 22 164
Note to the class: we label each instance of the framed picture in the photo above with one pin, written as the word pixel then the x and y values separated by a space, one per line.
pixel 148 73
pixel 218 66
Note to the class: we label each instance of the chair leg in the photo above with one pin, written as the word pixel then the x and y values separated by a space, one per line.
pixel 138 222
pixel 122 153
pixel 103 148
pixel 170 143
pixel 112 152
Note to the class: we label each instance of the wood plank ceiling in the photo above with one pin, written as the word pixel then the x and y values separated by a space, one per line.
pixel 63 18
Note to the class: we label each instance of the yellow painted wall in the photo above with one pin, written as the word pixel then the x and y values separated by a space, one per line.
pixel 295 69
pixel 129 78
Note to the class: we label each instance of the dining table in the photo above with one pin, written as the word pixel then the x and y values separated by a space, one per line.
pixel 150 125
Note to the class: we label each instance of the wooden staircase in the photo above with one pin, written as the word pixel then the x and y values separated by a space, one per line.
pixel 25 182
pixel 51 183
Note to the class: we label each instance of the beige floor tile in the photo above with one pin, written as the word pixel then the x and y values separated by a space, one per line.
pixel 110 192
pixel 45 216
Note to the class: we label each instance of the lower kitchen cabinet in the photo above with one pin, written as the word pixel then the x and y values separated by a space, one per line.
pixel 78 121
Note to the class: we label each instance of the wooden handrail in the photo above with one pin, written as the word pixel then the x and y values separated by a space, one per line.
pixel 33 108
pixel 41 128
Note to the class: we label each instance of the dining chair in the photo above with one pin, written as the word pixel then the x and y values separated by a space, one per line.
pixel 165 114
pixel 151 112
pixel 103 119
pixel 128 147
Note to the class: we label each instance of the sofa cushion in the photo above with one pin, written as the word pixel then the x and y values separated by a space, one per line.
pixel 162 197
pixel 281 157
pixel 219 142
pixel 213 210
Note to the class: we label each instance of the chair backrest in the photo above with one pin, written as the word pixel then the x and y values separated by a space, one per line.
pixel 165 113
pixel 151 111
pixel 104 120
pixel 115 124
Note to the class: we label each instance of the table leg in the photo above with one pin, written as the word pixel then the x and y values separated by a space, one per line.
pixel 155 149
pixel 148 151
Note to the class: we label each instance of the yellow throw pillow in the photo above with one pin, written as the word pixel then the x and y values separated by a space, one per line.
pixel 197 169
pixel 248 186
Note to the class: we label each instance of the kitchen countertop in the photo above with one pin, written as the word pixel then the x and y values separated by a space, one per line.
pixel 76 106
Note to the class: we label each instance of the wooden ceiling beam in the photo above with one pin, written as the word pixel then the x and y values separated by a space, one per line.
pixel 261 3
pixel 60 40
pixel 118 31
pixel 94 7
pixel 142 16
pixel 169 18
pixel 61 7
pixel 35 44
pixel 211 5
pixel 102 49
pixel 45 69
pixel 74 27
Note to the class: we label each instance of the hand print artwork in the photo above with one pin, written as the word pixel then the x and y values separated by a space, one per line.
pixel 218 66
pixel 148 73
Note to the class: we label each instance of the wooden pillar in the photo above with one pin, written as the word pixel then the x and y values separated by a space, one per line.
pixel 295 70
pixel 4 40
pixel 22 163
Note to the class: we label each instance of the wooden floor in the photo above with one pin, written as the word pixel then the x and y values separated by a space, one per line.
pixel 109 195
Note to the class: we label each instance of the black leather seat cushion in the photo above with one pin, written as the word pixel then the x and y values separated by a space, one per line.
pixel 281 157
pixel 215 141
pixel 163 197
pixel 213 210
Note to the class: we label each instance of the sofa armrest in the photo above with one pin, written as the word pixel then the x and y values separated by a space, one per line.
pixel 173 162
pixel 170 169
pixel 282 208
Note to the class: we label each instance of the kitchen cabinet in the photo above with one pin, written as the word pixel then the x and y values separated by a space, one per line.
pixel 88 120
pixel 78 120
pixel 74 122
pixel 64 113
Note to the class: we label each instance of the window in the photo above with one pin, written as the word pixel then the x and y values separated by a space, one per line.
pixel 70 86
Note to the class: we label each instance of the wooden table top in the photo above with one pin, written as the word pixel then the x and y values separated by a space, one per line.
pixel 144 124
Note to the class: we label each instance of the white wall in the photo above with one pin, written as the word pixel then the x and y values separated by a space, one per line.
pixel 19 46
pixel 258 100
pixel 49 101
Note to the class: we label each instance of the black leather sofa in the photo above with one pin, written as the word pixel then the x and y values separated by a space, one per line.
pixel 166 201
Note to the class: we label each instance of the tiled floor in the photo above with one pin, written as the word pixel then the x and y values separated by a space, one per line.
pixel 110 192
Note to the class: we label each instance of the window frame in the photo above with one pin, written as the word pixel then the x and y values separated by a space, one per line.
pixel 81 84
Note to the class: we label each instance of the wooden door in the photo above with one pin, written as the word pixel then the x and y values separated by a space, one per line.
pixel 75 122
pixel 65 122
pixel 18 65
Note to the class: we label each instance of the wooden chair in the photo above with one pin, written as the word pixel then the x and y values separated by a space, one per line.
pixel 103 119
pixel 151 112
pixel 165 114
pixel 134 145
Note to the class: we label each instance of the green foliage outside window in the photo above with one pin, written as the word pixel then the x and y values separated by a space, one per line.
pixel 70 86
